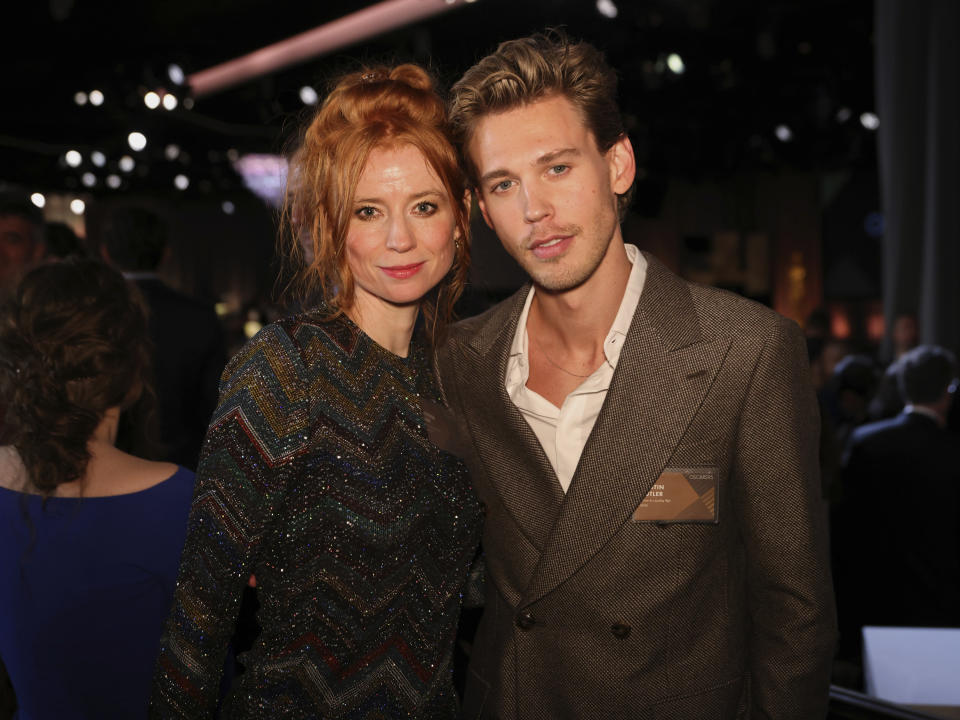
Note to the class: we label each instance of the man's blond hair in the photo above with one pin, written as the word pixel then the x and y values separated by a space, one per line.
pixel 523 71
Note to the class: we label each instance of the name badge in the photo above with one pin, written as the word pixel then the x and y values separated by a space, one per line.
pixel 681 495
pixel 443 429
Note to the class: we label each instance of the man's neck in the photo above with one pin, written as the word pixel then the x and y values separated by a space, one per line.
pixel 934 411
pixel 581 317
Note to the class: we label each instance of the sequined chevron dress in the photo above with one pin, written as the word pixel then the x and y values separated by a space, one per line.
pixel 318 476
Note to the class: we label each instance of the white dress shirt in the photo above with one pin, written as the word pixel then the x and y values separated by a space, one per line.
pixel 563 431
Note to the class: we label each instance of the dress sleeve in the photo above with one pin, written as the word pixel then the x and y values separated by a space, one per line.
pixel 258 427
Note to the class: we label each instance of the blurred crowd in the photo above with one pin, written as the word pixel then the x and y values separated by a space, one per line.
pixel 890 465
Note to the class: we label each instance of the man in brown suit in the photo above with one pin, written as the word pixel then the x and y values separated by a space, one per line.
pixel 645 448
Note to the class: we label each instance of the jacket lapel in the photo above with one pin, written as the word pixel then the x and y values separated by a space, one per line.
pixel 663 374
pixel 513 458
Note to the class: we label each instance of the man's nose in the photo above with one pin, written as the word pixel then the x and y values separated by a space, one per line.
pixel 535 205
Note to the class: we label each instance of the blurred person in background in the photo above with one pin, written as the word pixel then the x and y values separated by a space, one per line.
pixel 90 535
pixel 21 238
pixel 327 472
pixel 21 246
pixel 899 550
pixel 62 242
pixel 888 401
pixel 847 395
pixel 188 344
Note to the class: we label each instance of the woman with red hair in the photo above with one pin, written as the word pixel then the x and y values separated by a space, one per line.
pixel 320 474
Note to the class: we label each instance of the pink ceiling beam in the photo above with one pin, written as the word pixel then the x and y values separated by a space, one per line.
pixel 350 29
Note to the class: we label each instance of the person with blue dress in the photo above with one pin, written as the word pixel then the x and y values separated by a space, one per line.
pixel 90 535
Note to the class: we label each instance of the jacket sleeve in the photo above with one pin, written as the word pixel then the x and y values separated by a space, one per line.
pixel 783 520
pixel 256 429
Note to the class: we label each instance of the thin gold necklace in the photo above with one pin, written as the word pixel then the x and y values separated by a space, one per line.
pixel 550 360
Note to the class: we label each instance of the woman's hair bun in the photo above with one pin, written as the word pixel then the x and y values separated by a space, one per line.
pixel 73 343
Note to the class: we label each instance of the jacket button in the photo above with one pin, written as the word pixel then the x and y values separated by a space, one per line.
pixel 621 631
pixel 525 620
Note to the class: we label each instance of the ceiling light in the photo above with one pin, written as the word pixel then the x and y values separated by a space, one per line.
pixel 113 181
pixel 175 73
pixel 869 120
pixel 38 199
pixel 89 179
pixel 98 158
pixel 169 101
pixel 137 141
pixel 80 98
pixel 171 152
pixel 73 158
pixel 368 22
pixel 675 63
pixel 127 163
pixel 308 96
pixel 783 133
pixel 843 114
pixel 607 8
pixel 228 207
pixel 182 182
pixel 77 206
pixel 96 97
pixel 151 100
pixel 188 103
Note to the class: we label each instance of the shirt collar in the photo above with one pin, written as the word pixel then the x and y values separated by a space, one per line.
pixel 621 323
pixel 921 410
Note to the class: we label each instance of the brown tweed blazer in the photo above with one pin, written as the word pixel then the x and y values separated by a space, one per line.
pixel 590 614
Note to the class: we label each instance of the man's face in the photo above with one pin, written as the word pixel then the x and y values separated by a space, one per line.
pixel 20 248
pixel 547 190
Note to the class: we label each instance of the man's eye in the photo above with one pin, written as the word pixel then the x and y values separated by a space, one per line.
pixel 559 169
pixel 503 186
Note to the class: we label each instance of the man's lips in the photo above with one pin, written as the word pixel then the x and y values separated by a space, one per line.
pixel 550 246
pixel 401 272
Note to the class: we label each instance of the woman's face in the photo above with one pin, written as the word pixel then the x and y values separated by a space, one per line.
pixel 401 233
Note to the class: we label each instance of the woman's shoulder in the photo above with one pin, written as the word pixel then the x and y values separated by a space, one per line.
pixel 114 473
pixel 110 473
pixel 296 342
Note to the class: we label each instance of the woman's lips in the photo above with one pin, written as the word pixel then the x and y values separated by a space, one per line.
pixel 401 272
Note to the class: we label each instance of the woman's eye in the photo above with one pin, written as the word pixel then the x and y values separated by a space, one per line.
pixel 366 212
pixel 426 208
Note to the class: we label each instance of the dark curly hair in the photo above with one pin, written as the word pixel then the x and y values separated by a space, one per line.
pixel 73 343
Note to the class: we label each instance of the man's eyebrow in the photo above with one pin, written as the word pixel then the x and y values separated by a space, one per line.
pixel 545 159
pixel 488 176
pixel 550 157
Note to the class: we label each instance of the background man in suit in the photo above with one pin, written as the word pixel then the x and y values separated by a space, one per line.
pixel 645 448
pixel 899 556
pixel 21 238
pixel 188 345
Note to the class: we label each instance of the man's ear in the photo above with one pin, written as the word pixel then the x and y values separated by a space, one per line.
pixel 623 165
pixel 483 208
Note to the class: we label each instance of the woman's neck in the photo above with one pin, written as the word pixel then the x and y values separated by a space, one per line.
pixel 106 432
pixel 390 326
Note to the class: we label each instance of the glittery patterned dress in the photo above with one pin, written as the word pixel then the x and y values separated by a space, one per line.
pixel 318 476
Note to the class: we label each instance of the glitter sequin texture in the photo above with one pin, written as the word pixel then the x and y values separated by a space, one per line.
pixel 318 476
